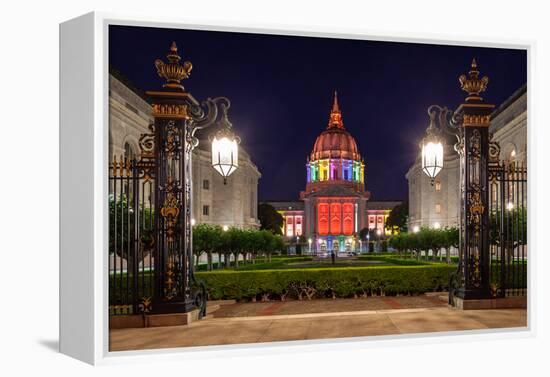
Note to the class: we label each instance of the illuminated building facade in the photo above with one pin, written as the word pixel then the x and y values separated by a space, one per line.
pixel 335 196
pixel 335 206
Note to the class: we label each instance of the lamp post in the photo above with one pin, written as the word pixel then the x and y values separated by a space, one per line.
pixel 166 160
pixel 309 242
pixel 469 123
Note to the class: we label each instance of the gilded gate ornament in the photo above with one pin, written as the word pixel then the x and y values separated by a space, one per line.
pixel 173 71
pixel 472 84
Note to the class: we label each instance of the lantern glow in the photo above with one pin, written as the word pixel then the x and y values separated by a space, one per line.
pixel 225 148
pixel 225 155
pixel 432 158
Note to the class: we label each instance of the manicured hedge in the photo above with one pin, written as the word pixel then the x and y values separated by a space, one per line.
pixel 393 259
pixel 275 263
pixel 326 282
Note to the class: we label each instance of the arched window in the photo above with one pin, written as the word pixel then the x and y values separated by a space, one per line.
pixel 322 218
pixel 129 151
pixel 348 219
pixel 335 218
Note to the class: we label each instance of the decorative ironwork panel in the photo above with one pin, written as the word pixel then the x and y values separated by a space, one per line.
pixel 131 236
pixel 508 229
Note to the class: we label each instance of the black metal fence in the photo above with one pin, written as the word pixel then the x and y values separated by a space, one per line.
pixel 131 237
pixel 508 229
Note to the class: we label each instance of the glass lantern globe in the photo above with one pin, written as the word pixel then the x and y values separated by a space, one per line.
pixel 432 151
pixel 225 149
pixel 432 158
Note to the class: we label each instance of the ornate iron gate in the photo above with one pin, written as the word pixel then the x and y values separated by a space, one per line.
pixel 508 228
pixel 131 234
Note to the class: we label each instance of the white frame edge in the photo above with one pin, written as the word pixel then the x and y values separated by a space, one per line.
pixel 84 121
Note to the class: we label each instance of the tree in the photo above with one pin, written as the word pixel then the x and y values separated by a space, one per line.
pixel 363 234
pixel 277 244
pixel 508 228
pixel 206 239
pixel 236 243
pixel 270 219
pixel 397 242
pixel 122 225
pixel 398 218
pixel 413 243
pixel 450 239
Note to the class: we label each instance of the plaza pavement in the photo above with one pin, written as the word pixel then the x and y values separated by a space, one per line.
pixel 238 323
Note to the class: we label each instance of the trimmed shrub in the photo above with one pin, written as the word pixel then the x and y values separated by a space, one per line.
pixel 275 263
pixel 326 282
pixel 393 259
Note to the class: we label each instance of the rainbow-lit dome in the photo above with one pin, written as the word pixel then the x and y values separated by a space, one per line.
pixel 335 157
pixel 335 141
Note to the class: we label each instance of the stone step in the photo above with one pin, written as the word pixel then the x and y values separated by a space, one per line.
pixel 213 305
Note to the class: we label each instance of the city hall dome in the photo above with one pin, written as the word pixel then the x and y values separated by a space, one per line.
pixel 335 141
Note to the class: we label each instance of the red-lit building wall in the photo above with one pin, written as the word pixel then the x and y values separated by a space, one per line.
pixel 348 219
pixel 335 218
pixel 322 218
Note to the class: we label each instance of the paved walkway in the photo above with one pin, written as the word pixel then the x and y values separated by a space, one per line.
pixel 276 326
pixel 330 306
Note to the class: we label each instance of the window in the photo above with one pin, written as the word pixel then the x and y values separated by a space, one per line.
pixel 437 186
pixel 298 225
pixel 438 208
pixel 289 226
pixel 335 218
pixel 205 210
pixel 371 222
pixel 128 151
pixel 348 218
pixel 206 184
pixel 322 218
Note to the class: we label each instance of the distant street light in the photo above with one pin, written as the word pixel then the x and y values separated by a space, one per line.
pixel 309 242
pixel 510 206
pixel 416 229
pixel 225 228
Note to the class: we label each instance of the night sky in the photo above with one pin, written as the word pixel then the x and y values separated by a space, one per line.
pixel 281 91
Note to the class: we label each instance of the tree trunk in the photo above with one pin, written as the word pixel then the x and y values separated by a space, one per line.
pixel 236 255
pixel 448 255
pixel 227 260
pixel 209 260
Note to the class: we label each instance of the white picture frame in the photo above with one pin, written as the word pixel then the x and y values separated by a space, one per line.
pixel 84 332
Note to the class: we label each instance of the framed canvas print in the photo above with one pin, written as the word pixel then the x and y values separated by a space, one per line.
pixel 227 187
